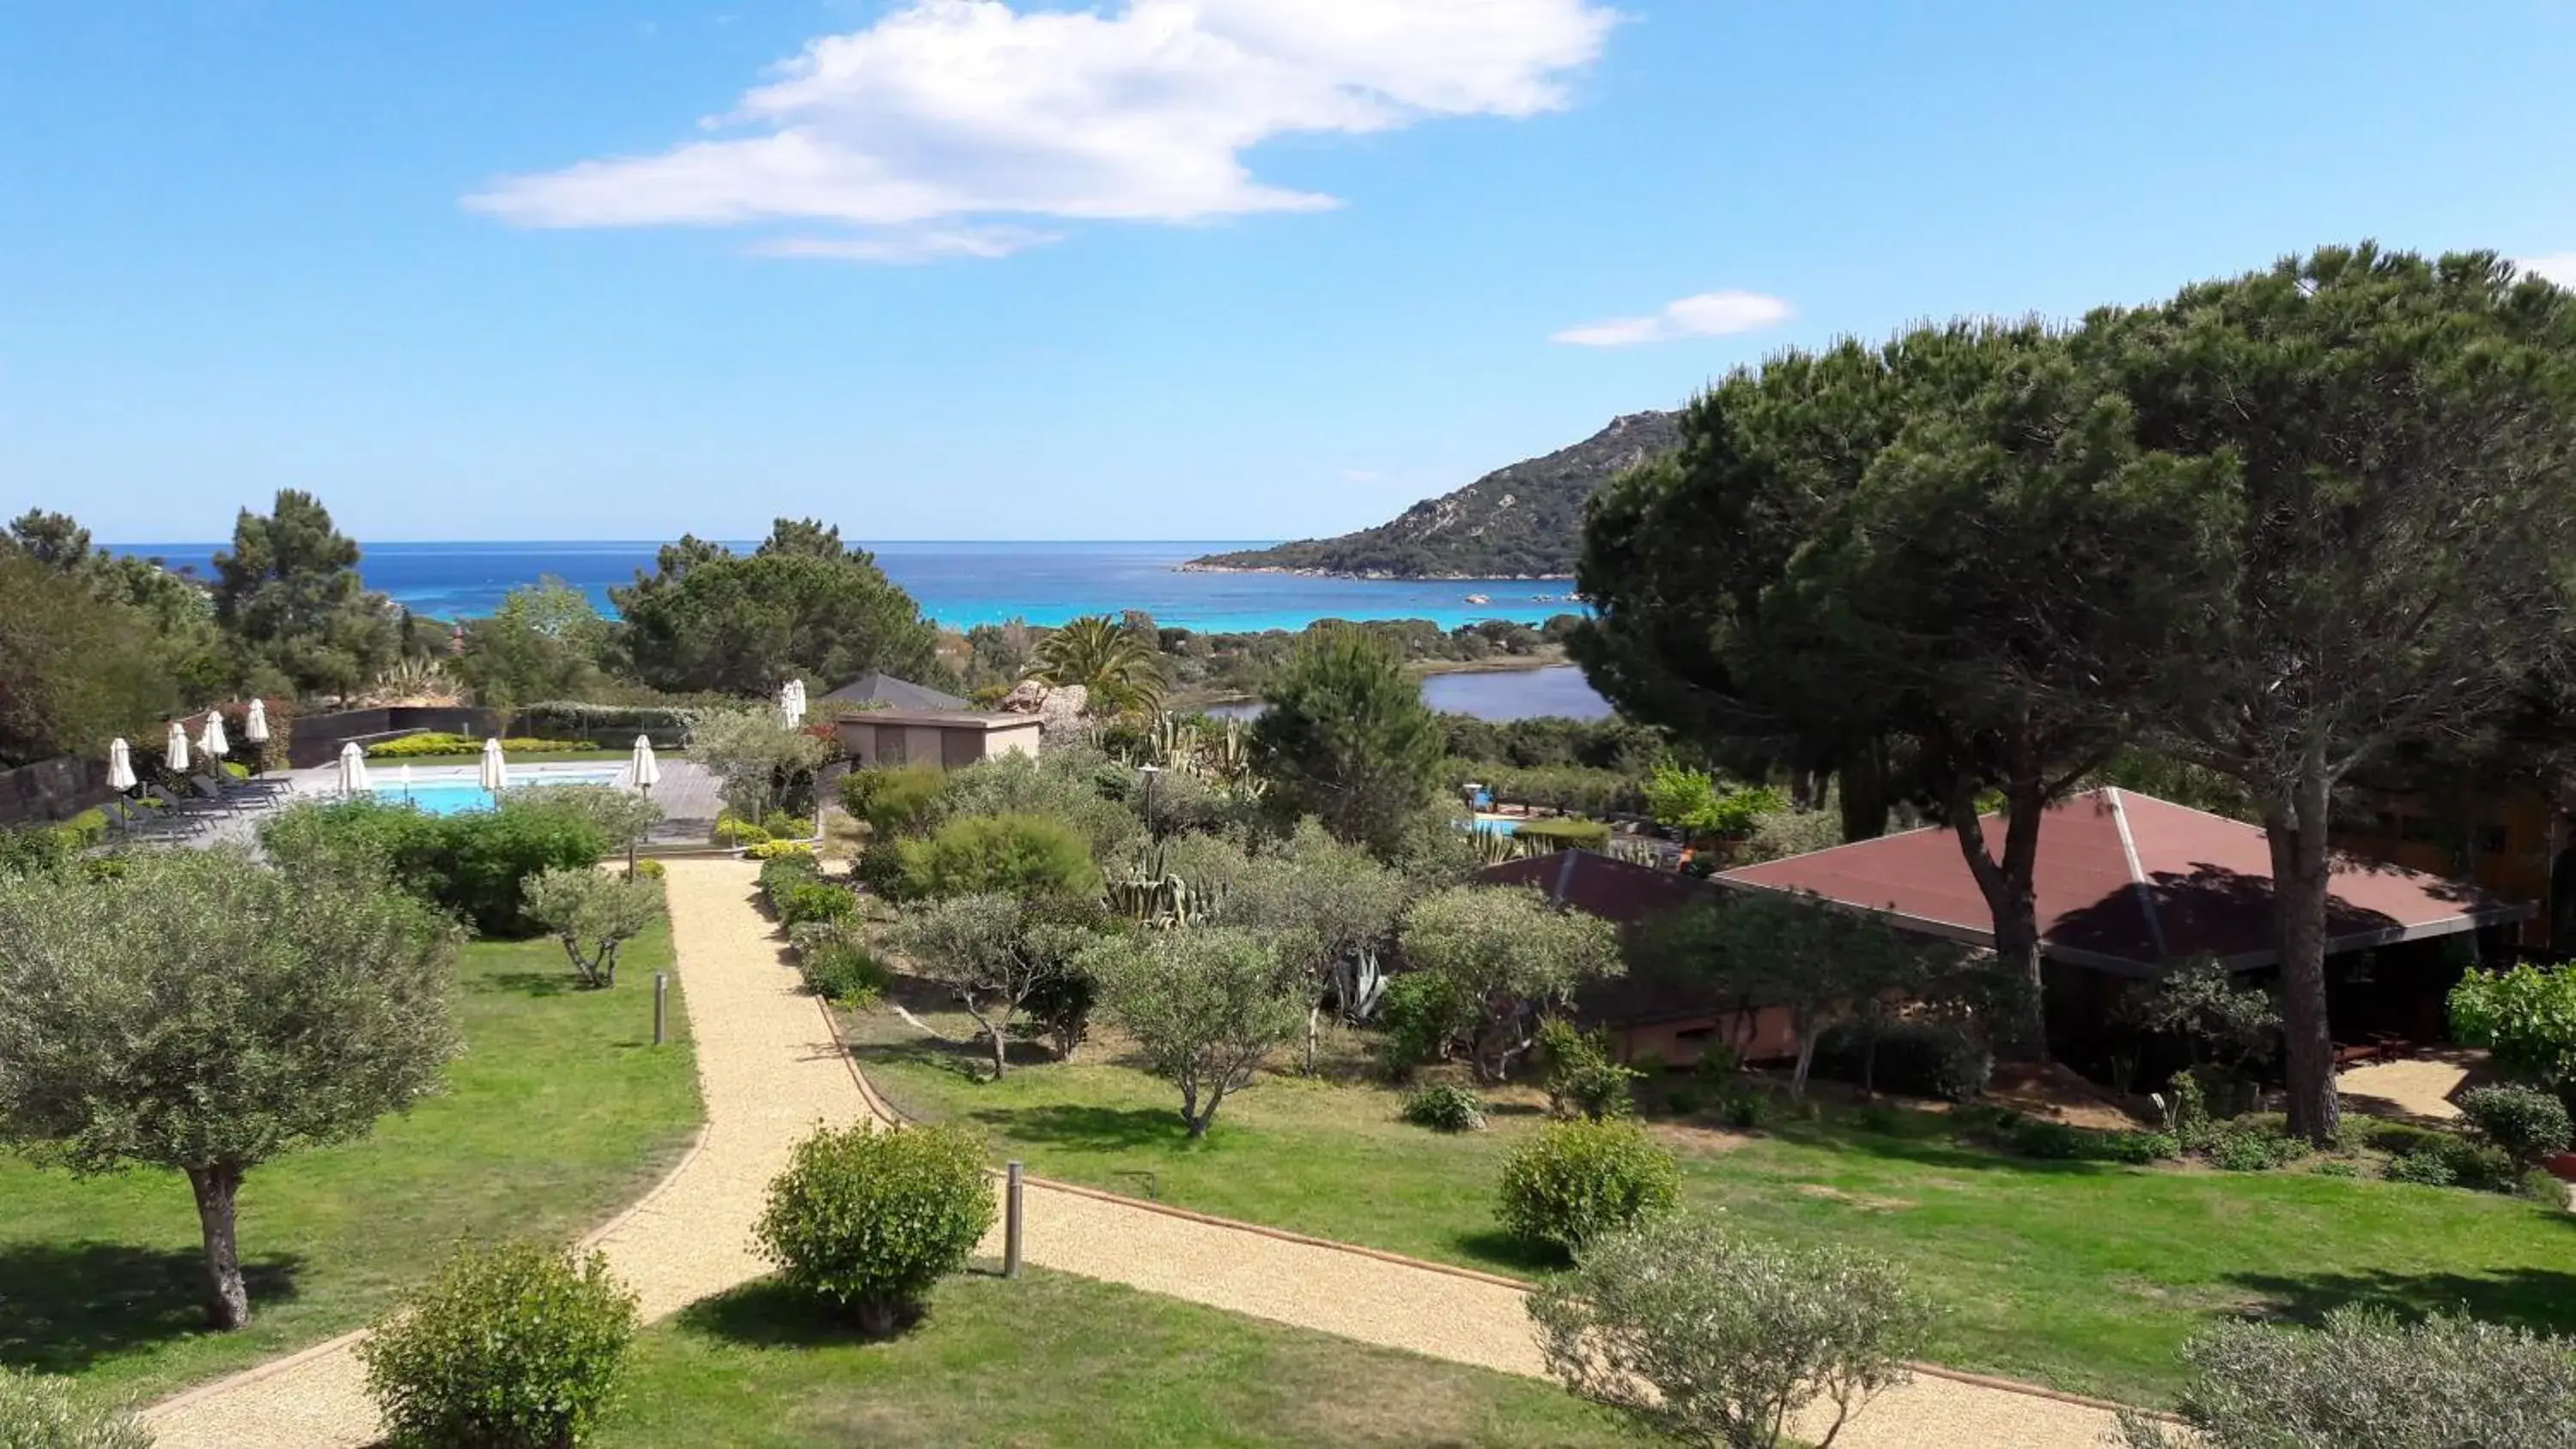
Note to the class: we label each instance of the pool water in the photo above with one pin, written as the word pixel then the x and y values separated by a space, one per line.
pixel 1495 824
pixel 456 797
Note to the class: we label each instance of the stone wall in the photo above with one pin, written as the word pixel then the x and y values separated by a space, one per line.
pixel 51 790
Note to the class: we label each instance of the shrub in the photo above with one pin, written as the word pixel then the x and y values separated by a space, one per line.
pixel 434 742
pixel 895 803
pixel 2336 1167
pixel 779 872
pixel 1648 1066
pixel 512 1347
pixel 2424 1169
pixel 836 964
pixel 873 1219
pixel 1026 856
pixel 2529 1125
pixel 38 1411
pixel 2367 1381
pixel 1915 1059
pixel 1580 1078
pixel 1578 1179
pixel 2240 1149
pixel 1565 834
pixel 2049 1141
pixel 815 900
pixel 2543 1187
pixel 1718 1065
pixel 1744 1110
pixel 2140 1148
pixel 1420 1013
pixel 1699 1336
pixel 651 869
pixel 1684 1101
pixel 773 849
pixel 2400 1138
pixel 730 831
pixel 786 826
pixel 471 865
pixel 2483 1166
pixel 1445 1109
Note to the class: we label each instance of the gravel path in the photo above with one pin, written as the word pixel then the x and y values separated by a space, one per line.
pixel 769 1070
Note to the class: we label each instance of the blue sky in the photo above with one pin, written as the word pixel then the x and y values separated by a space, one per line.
pixel 1176 268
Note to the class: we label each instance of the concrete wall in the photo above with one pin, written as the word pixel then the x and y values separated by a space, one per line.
pixel 878 746
pixel 1765 1035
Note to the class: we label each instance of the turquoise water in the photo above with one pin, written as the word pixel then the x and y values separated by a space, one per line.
pixel 963 584
pixel 1557 692
pixel 456 797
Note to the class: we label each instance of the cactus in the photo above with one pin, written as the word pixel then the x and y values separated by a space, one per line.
pixel 1163 901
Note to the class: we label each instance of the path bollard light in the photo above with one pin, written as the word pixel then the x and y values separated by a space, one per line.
pixel 661 1005
pixel 1011 1223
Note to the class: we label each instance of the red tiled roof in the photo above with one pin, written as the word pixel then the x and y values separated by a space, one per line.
pixel 2128 882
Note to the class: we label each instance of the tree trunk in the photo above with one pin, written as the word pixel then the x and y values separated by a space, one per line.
pixel 227 1298
pixel 1314 1032
pixel 2011 897
pixel 2299 881
pixel 1806 1058
pixel 1864 794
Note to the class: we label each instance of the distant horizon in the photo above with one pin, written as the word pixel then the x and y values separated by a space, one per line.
pixel 226 542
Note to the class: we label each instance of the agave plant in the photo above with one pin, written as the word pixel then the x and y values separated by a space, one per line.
pixel 1123 675
pixel 414 681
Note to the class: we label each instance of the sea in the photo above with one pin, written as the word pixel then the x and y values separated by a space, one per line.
pixel 965 584
pixel 962 584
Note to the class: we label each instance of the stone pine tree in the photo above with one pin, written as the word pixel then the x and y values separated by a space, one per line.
pixel 288 594
pixel 801 606
pixel 2381 556
pixel 1856 549
pixel 204 1013
pixel 1348 740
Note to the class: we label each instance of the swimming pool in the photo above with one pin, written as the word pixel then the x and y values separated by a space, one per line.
pixel 455 796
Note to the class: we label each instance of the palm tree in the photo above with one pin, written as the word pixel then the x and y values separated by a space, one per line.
pixel 1123 675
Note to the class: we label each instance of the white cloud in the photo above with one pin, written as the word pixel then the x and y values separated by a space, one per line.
pixel 1710 314
pixel 949 110
pixel 908 244
pixel 2559 267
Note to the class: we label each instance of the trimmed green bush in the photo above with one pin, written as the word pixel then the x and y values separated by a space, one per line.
pixel 894 803
pixel 39 1411
pixel 433 742
pixel 815 900
pixel 2541 1186
pixel 2240 1149
pixel 1578 1179
pixel 511 1347
pixel 1445 1108
pixel 836 964
pixel 2398 1139
pixel 873 1219
pixel 2528 1125
pixel 773 849
pixel 1565 833
pixel 471 865
pixel 1029 857
pixel 2424 1169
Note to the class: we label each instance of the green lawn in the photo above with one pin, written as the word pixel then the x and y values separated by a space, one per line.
pixel 559 1112
pixel 1051 1359
pixel 2083 1276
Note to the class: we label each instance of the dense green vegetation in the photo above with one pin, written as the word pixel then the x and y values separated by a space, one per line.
pixel 1524 521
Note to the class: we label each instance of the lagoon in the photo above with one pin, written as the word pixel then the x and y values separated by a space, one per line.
pixel 1557 691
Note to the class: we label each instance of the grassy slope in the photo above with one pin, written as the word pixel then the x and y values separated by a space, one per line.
pixel 559 1112
pixel 2083 1276
pixel 1053 1359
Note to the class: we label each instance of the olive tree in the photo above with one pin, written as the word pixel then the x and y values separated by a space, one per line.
pixel 753 754
pixel 1820 963
pixel 1339 904
pixel 1509 953
pixel 205 1013
pixel 593 915
pixel 2365 1380
pixel 1702 1336
pixel 994 953
pixel 1206 1004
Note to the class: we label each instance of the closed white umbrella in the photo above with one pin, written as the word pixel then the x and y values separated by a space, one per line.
pixel 791 702
pixel 642 770
pixel 353 769
pixel 176 756
pixel 496 775
pixel 255 723
pixel 403 776
pixel 213 741
pixel 120 765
